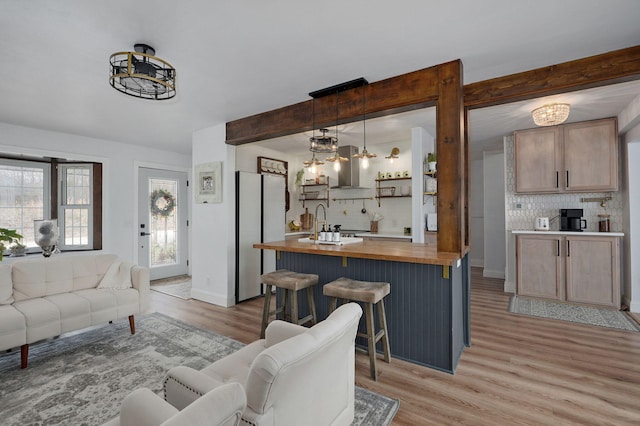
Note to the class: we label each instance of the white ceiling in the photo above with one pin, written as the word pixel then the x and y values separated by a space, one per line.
pixel 245 57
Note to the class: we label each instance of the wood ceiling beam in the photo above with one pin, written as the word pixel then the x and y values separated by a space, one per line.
pixel 414 90
pixel 600 70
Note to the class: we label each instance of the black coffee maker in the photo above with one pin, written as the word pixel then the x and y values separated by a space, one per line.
pixel 571 220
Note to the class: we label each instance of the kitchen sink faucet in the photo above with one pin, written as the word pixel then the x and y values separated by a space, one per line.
pixel 324 210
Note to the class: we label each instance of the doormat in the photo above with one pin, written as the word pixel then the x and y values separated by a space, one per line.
pixel 602 317
pixel 81 379
pixel 179 286
pixel 181 290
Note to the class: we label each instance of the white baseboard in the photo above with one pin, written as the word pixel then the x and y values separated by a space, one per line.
pixel 509 286
pixel 212 298
pixel 634 306
pixel 479 263
pixel 492 274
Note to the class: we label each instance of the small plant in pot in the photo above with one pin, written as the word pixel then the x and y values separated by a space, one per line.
pixel 18 249
pixel 9 236
pixel 431 160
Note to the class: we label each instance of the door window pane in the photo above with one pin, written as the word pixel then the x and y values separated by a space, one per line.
pixel 163 200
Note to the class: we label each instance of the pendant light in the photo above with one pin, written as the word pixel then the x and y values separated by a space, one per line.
pixel 364 155
pixel 313 164
pixel 336 159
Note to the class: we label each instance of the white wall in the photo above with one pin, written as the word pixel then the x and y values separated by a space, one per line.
pixel 493 206
pixel 476 212
pixel 119 174
pixel 213 225
pixel 631 246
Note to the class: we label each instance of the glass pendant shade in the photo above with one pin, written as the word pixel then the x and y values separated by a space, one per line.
pixel 551 114
pixel 324 143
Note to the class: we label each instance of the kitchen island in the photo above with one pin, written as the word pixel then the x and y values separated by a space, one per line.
pixel 428 307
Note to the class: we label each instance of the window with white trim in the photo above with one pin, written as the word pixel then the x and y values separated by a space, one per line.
pixel 24 197
pixel 51 188
pixel 75 206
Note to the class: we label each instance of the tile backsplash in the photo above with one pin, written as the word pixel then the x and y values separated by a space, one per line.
pixel 549 205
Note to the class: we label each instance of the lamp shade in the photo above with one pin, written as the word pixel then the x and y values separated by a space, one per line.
pixel 551 114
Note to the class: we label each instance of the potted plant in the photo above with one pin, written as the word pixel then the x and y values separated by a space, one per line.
pixel 431 160
pixel 18 249
pixel 10 236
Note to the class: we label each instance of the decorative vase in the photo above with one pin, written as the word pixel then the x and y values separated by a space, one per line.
pixel 46 235
pixel 432 166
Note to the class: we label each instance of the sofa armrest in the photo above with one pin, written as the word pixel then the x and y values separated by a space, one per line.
pixel 278 330
pixel 140 281
pixel 183 385
pixel 144 408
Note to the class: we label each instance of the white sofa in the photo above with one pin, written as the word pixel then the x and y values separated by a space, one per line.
pixel 45 297
pixel 222 406
pixel 295 376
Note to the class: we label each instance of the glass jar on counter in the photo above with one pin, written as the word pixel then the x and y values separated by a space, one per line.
pixel 604 223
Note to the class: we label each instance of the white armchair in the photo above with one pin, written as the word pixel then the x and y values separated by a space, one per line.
pixel 295 376
pixel 223 406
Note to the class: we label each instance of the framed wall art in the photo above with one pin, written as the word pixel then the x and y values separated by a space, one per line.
pixel 208 177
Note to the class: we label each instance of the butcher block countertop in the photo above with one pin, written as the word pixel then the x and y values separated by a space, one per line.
pixel 373 249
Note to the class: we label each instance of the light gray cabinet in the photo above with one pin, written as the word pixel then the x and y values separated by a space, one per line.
pixel 579 269
pixel 593 270
pixel 577 157
pixel 540 266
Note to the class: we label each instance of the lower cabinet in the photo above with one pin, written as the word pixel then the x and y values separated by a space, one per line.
pixel 579 269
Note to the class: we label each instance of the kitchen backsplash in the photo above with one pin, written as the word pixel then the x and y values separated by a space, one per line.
pixel 549 205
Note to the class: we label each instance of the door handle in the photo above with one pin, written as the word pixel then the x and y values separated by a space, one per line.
pixel 142 234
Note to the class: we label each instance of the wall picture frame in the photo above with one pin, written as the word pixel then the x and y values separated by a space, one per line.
pixel 208 177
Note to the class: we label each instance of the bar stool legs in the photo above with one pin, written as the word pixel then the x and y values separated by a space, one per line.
pixel 370 294
pixel 290 283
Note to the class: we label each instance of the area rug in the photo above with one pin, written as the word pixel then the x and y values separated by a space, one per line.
pixel 181 290
pixel 82 378
pixel 574 313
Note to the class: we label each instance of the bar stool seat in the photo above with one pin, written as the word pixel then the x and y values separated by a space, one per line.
pixel 291 282
pixel 369 293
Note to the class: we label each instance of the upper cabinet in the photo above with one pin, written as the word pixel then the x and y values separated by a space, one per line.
pixel 577 157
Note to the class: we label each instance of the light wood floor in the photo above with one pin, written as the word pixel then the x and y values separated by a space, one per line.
pixel 519 370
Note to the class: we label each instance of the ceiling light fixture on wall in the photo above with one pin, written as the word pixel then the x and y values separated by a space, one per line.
pixel 142 75
pixel 551 114
pixel 394 154
pixel 364 155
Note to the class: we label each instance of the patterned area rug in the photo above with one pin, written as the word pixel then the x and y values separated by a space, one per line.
pixel 574 313
pixel 82 378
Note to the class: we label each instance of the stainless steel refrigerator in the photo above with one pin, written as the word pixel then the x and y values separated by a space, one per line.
pixel 260 217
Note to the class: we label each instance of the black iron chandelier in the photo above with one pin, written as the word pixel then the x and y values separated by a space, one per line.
pixel 143 75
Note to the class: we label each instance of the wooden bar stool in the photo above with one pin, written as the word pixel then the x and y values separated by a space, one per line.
pixel 291 283
pixel 369 293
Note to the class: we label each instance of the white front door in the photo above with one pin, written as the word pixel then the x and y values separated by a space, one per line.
pixel 162 222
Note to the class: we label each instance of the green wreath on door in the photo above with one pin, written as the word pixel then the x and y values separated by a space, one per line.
pixel 162 203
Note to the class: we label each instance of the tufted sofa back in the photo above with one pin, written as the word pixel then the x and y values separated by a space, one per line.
pixel 60 274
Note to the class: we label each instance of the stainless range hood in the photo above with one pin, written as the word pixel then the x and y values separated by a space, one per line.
pixel 349 175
